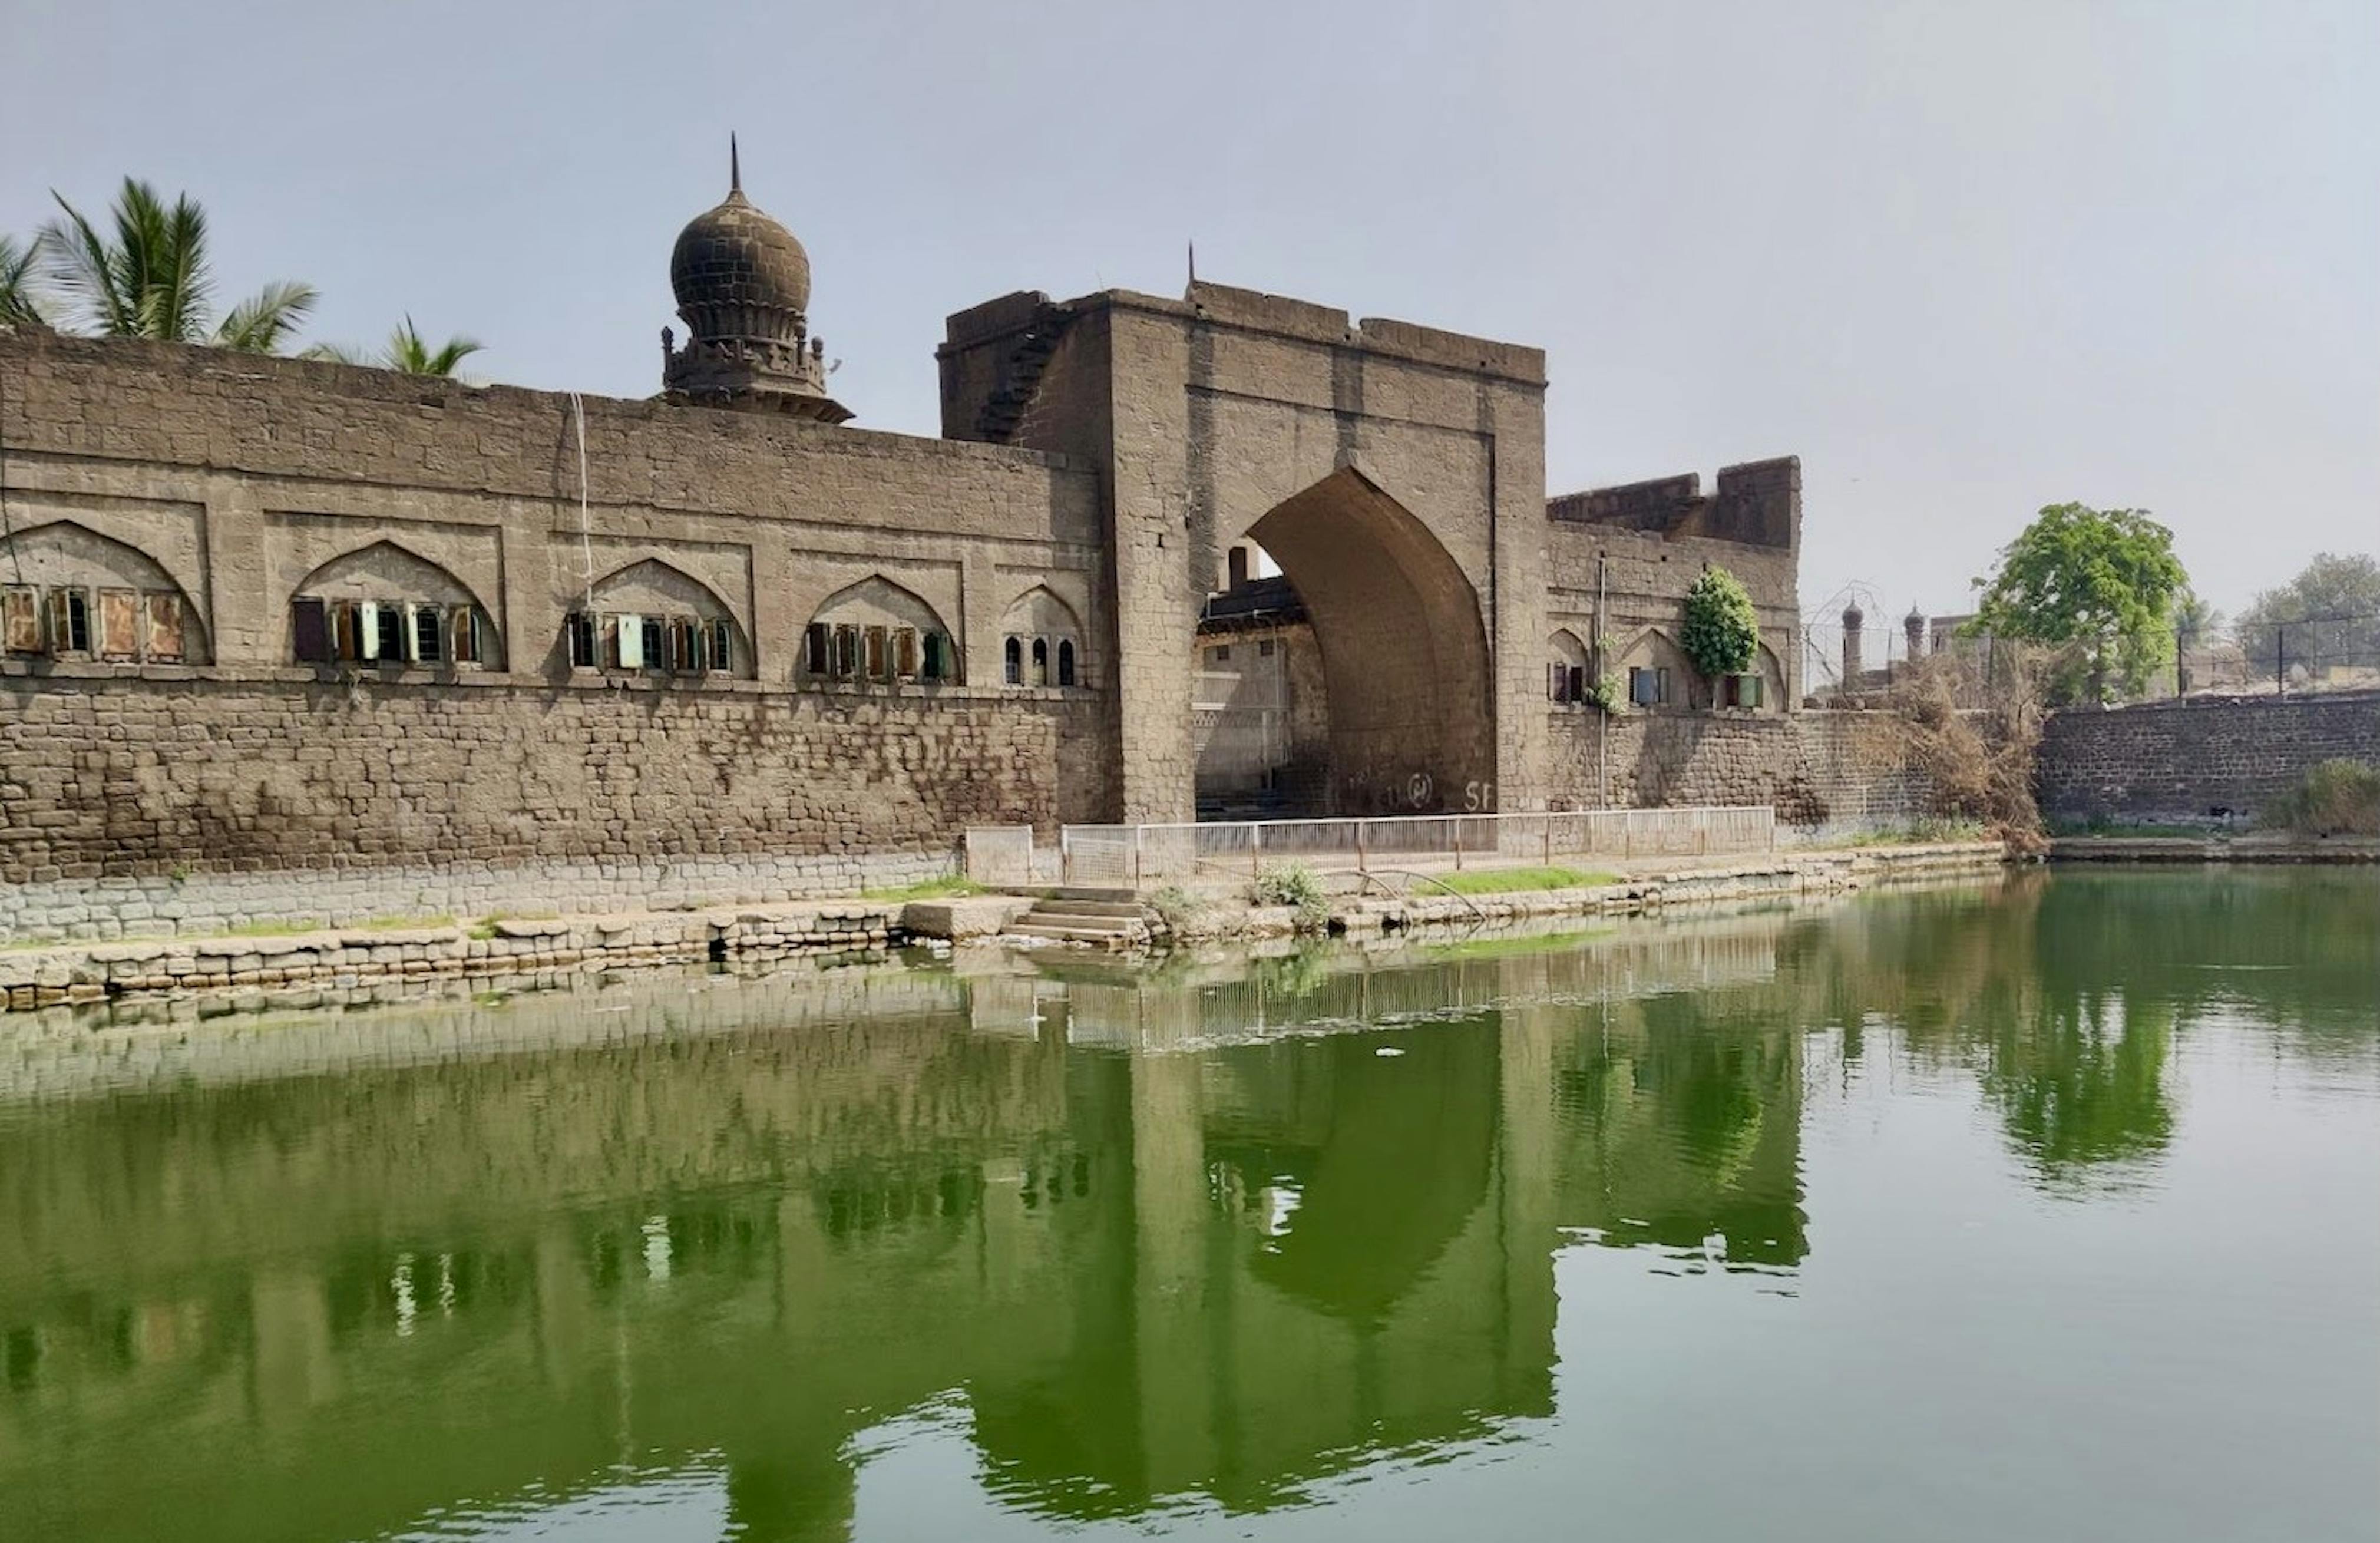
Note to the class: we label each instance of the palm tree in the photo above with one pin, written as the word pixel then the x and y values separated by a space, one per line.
pixel 407 353
pixel 149 280
pixel 21 300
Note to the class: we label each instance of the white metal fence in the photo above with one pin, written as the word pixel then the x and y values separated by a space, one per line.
pixel 1131 857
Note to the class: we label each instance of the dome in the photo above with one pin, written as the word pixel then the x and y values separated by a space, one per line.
pixel 739 274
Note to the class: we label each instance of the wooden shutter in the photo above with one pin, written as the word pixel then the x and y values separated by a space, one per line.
pixel 163 642
pixel 20 620
pixel 311 624
pixel 119 625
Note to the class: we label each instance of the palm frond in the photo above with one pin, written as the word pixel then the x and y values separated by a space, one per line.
pixel 409 352
pixel 21 301
pixel 261 323
pixel 338 353
pixel 80 263
pixel 182 275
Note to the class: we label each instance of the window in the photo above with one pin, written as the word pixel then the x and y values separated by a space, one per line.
pixel 1041 662
pixel 1264 649
pixel 1648 687
pixel 467 644
pixel 1066 661
pixel 1743 690
pixel 723 644
pixel 933 663
pixel 628 642
pixel 583 632
pixel 1012 654
pixel 69 621
pixel 1238 566
pixel 1219 655
pixel 879 655
pixel 1566 683
pixel 429 632
pixel 390 633
pixel 818 642
pixel 656 640
pixel 904 653
pixel 311 623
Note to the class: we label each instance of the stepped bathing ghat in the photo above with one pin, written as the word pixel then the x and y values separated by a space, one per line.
pixel 367 643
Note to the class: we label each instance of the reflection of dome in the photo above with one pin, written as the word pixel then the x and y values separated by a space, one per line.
pixel 739 274
pixel 743 285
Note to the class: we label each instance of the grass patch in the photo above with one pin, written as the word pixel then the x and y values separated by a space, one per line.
pixel 398 924
pixel 951 887
pixel 1916 834
pixel 1511 881
pixel 276 928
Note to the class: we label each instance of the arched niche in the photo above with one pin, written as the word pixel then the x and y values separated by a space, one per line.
pixel 878 631
pixel 1654 673
pixel 68 590
pixel 652 618
pixel 1041 640
pixel 1404 654
pixel 1568 667
pixel 390 607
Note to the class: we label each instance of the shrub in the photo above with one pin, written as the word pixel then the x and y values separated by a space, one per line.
pixel 2338 797
pixel 1293 885
pixel 1721 634
pixel 1173 907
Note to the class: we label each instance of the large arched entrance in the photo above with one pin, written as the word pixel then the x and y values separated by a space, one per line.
pixel 1404 655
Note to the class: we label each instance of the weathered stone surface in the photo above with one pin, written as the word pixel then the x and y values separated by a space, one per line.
pixel 2192 761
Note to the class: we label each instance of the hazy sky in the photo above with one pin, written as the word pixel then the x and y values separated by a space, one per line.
pixel 1964 260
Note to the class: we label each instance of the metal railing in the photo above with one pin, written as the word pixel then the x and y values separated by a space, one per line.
pixel 1133 856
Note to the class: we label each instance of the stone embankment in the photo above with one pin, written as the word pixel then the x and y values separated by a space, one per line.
pixel 346 958
pixel 354 956
pixel 2215 848
pixel 1815 872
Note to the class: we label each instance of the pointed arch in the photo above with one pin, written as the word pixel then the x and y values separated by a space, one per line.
pixel 1404 652
pixel 1568 663
pixel 877 630
pixel 70 589
pixel 386 569
pixel 651 617
pixel 386 604
pixel 1042 641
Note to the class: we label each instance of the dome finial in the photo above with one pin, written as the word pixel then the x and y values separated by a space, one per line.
pixel 734 166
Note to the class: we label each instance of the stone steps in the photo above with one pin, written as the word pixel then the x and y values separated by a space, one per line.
pixel 1097 923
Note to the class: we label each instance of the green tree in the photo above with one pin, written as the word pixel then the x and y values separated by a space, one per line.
pixel 23 303
pixel 406 352
pixel 147 276
pixel 1721 634
pixel 2329 614
pixel 2101 581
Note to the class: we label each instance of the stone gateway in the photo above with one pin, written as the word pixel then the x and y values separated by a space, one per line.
pixel 265 614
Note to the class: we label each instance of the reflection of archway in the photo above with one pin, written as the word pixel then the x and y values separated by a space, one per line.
pixel 1404 657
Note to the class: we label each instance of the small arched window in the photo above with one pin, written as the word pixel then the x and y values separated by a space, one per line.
pixel 1066 661
pixel 1041 662
pixel 1012 662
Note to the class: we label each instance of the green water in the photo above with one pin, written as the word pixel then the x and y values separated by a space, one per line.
pixel 2042 1209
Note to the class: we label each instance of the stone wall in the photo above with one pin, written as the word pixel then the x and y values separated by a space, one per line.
pixel 2197 760
pixel 216 771
pixel 1824 772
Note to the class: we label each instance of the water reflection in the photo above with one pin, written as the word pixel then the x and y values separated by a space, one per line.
pixel 1215 1234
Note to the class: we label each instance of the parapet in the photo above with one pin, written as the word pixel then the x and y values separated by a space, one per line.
pixel 1757 504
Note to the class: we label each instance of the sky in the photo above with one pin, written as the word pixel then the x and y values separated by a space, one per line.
pixel 1965 260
